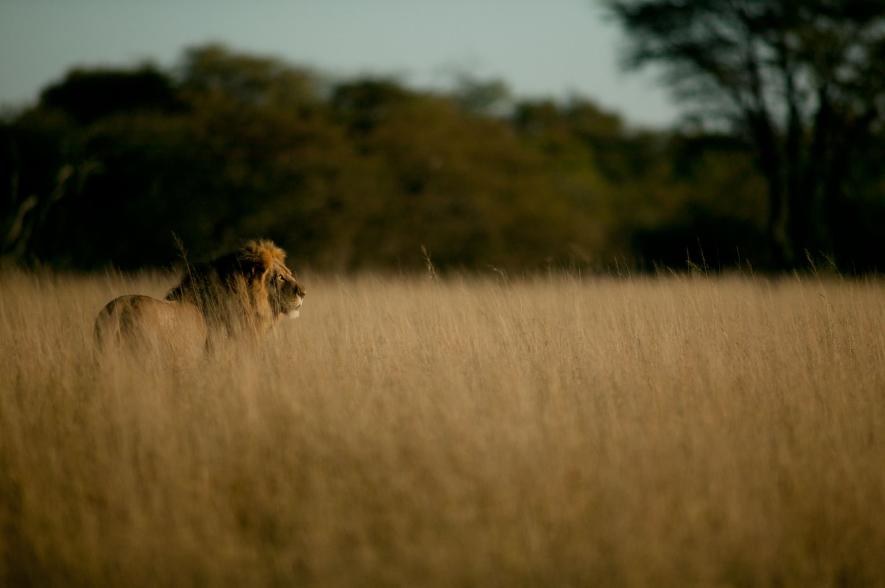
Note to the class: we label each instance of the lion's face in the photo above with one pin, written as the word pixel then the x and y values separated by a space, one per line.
pixel 284 292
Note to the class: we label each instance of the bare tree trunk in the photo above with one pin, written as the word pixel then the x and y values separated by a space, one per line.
pixel 817 171
pixel 770 163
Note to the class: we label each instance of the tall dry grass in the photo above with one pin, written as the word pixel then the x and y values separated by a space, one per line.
pixel 556 431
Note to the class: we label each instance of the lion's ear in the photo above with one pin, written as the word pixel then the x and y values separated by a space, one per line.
pixel 249 267
pixel 258 257
pixel 256 269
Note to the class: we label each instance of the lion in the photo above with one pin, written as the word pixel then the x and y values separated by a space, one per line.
pixel 242 293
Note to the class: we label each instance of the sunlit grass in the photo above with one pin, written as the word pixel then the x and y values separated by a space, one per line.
pixel 551 431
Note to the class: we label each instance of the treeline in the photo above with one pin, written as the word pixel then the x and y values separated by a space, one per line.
pixel 115 166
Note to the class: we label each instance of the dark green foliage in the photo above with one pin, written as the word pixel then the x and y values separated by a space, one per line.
pixel 86 95
pixel 111 166
pixel 803 82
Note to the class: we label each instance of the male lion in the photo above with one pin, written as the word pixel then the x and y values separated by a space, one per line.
pixel 244 292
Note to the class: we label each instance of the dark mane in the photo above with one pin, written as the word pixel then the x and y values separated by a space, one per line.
pixel 231 290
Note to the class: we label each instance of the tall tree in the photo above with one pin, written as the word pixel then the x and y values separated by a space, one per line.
pixel 802 80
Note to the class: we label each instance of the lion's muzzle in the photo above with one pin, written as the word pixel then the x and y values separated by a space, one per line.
pixel 295 311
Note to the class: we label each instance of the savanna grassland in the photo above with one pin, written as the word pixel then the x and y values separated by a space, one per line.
pixel 554 431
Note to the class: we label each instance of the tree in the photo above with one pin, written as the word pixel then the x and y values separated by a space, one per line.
pixel 250 80
pixel 87 95
pixel 802 81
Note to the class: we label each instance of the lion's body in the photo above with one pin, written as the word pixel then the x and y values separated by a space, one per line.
pixel 143 322
pixel 243 293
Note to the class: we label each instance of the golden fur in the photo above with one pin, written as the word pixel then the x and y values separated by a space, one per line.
pixel 244 292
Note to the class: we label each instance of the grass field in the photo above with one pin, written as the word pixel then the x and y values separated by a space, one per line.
pixel 551 432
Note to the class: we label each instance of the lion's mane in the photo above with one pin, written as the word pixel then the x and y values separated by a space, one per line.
pixel 232 291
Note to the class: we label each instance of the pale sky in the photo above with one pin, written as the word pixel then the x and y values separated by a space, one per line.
pixel 552 48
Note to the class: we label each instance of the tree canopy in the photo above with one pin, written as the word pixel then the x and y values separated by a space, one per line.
pixel 113 166
pixel 802 81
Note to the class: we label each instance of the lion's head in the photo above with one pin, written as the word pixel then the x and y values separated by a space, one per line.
pixel 249 289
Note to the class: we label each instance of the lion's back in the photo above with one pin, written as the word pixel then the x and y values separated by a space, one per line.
pixel 143 321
